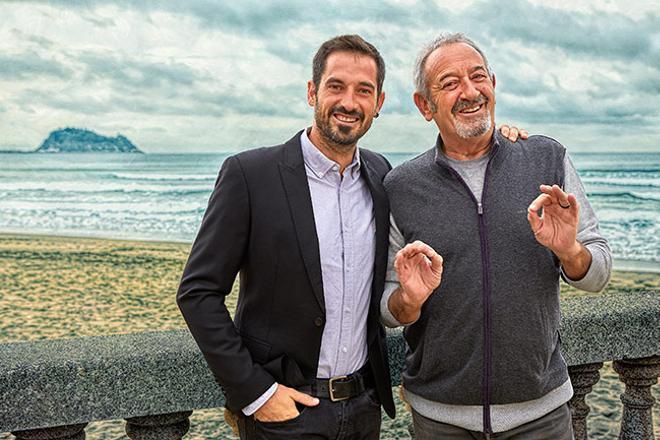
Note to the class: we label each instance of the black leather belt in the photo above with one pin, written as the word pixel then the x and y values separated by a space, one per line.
pixel 343 387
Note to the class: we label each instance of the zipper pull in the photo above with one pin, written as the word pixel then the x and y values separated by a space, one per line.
pixel 480 208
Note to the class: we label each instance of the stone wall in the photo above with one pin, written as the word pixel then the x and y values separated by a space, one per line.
pixel 67 383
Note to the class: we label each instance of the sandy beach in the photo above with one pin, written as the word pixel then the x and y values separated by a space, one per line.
pixel 60 287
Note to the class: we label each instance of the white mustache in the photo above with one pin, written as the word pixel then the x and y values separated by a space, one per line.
pixel 460 105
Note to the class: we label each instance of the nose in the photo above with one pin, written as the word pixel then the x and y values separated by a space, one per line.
pixel 348 100
pixel 469 91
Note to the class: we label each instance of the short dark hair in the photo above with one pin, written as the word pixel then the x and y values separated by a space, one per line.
pixel 347 43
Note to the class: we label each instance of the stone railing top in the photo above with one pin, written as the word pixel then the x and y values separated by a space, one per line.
pixel 607 327
pixel 67 381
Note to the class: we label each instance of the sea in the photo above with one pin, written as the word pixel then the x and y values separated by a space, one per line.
pixel 163 196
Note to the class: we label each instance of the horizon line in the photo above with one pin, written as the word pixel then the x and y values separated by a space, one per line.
pixel 608 150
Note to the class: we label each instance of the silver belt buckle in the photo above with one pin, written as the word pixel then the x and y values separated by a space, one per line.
pixel 331 382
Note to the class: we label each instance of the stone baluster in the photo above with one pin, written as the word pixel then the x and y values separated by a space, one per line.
pixel 583 378
pixel 638 375
pixel 68 432
pixel 159 427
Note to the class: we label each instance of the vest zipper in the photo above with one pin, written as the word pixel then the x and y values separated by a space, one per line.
pixel 485 258
pixel 485 274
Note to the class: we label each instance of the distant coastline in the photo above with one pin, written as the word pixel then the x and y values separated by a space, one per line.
pixel 405 154
pixel 67 152
pixel 78 140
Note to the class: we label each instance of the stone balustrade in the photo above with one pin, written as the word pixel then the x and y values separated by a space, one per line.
pixel 51 389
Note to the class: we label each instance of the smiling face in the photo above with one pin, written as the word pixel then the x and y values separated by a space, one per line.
pixel 461 94
pixel 346 100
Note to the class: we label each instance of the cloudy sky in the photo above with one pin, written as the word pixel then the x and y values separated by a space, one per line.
pixel 186 76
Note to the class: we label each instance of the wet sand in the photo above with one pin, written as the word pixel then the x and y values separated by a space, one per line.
pixel 59 287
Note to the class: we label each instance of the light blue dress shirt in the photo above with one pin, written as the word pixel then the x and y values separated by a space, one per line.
pixel 346 228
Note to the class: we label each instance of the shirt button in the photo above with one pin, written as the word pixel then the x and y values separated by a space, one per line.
pixel 318 321
pixel 344 349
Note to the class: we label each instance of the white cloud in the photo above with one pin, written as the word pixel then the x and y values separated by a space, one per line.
pixel 205 76
pixel 635 9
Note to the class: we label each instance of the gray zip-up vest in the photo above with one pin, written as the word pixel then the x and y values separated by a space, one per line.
pixel 490 333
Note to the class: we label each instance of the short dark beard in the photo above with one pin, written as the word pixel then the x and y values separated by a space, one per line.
pixel 342 143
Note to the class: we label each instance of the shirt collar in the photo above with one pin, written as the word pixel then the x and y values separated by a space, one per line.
pixel 319 163
pixel 441 158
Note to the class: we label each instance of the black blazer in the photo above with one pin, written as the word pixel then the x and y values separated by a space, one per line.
pixel 259 223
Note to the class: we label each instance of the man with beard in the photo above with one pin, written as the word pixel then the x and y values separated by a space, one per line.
pixel 306 225
pixel 484 343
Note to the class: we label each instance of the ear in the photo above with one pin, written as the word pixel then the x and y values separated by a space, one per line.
pixel 311 93
pixel 380 101
pixel 423 106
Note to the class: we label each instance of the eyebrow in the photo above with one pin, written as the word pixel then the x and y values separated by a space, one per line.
pixel 474 69
pixel 333 79
pixel 362 83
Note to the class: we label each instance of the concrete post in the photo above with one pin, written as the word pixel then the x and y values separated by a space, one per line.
pixel 638 375
pixel 68 432
pixel 160 427
pixel 583 378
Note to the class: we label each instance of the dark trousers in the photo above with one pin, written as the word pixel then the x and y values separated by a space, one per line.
pixel 357 418
pixel 556 425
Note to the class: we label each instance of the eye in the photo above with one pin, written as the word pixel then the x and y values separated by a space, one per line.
pixel 365 91
pixel 479 77
pixel 449 85
pixel 334 87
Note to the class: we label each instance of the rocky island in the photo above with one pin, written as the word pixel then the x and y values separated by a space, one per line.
pixel 74 140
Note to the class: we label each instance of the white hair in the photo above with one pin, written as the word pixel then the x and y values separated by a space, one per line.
pixel 421 83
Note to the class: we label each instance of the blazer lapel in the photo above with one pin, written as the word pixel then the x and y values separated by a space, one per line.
pixel 381 208
pixel 382 217
pixel 294 180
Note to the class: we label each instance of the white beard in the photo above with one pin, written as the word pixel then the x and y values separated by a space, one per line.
pixel 473 129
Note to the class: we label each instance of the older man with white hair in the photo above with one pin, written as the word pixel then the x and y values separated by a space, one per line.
pixel 482 230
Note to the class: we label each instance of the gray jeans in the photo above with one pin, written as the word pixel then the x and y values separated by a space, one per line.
pixel 556 425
